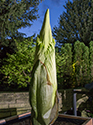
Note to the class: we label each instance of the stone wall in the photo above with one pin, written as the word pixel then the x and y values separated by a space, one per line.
pixel 18 102
pixel 14 103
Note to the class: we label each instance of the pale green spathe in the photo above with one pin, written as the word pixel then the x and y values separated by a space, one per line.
pixel 43 88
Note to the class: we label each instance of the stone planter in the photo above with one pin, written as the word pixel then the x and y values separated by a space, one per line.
pixel 24 119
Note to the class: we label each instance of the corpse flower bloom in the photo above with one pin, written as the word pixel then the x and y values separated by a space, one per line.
pixel 43 88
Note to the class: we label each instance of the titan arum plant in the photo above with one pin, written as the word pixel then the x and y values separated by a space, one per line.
pixel 43 88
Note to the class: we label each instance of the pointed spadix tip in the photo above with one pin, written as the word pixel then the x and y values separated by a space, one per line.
pixel 47 12
pixel 46 15
pixel 46 22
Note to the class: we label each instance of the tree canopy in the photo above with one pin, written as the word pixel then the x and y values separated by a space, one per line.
pixel 76 23
pixel 15 14
pixel 17 67
pixel 74 66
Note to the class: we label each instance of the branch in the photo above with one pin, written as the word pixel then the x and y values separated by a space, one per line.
pixel 24 73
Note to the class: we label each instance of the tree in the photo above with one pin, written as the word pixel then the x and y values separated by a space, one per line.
pixel 17 67
pixel 64 66
pixel 60 63
pixel 15 14
pixel 76 23
pixel 91 61
pixel 81 61
pixel 74 69
pixel 85 69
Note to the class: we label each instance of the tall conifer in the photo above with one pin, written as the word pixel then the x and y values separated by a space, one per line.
pixel 81 60
pixel 91 61
pixel 76 23
pixel 15 14
pixel 64 66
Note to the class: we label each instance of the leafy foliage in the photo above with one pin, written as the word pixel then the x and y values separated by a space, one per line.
pixel 17 67
pixel 76 23
pixel 64 66
pixel 91 61
pixel 15 14
pixel 74 66
pixel 81 58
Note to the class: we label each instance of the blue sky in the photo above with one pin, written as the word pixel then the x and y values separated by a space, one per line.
pixel 56 9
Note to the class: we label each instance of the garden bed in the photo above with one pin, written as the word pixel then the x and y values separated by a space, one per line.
pixel 24 119
pixel 72 120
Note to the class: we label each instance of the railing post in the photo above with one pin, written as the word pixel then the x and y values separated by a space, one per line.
pixel 74 102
